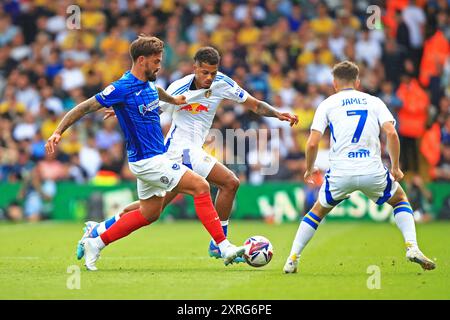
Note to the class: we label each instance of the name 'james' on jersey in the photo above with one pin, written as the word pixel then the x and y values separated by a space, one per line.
pixel 355 119
pixel 191 122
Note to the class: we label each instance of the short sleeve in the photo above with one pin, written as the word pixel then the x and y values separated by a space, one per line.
pixel 320 121
pixel 384 115
pixel 233 91
pixel 110 96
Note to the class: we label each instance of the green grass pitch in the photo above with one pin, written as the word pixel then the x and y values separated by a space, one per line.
pixel 168 260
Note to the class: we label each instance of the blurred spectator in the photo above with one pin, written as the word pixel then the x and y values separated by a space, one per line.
pixel 7 30
pixel 420 199
pixel 10 105
pixel 20 50
pixel 50 102
pixel 415 19
pixel 27 129
pixel 257 81
pixel 393 58
pixel 367 50
pixel 108 135
pixel 27 94
pixel 90 157
pixel 319 73
pixel 71 76
pixel 442 170
pixel 251 9
pixel 390 99
pixel 445 132
pixel 412 118
pixel 323 23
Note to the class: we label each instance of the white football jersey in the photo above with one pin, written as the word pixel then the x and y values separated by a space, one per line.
pixel 191 122
pixel 355 119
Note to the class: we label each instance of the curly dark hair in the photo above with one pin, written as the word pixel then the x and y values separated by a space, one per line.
pixel 207 55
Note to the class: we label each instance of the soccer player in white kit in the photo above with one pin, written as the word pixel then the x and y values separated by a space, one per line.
pixel 355 119
pixel 204 90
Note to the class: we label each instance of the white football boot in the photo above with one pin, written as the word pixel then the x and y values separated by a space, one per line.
pixel 413 254
pixel 91 253
pixel 291 264
pixel 232 252
pixel 89 226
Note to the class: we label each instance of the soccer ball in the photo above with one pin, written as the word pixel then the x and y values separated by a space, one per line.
pixel 258 251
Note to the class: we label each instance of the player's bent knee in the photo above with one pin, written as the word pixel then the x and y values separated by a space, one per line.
pixel 319 210
pixel 151 216
pixel 200 186
pixel 399 196
pixel 231 183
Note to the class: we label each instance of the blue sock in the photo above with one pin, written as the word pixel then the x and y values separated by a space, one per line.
pixel 103 226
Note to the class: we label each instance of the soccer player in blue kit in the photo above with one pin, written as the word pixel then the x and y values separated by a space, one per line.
pixel 135 100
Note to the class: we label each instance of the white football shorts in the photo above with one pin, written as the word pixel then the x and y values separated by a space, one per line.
pixel 156 175
pixel 378 187
pixel 195 158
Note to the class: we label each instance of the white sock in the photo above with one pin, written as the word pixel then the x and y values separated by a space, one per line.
pixel 223 245
pixel 305 232
pixel 101 228
pixel 405 222
pixel 404 219
pixel 99 243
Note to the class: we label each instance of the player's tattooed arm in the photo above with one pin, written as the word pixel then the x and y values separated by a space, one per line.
pixel 266 110
pixel 87 106
pixel 164 96
pixel 79 111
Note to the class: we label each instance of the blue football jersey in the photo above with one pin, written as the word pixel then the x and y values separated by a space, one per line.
pixel 136 104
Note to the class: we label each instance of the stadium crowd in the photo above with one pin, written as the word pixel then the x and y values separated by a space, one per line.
pixel 278 50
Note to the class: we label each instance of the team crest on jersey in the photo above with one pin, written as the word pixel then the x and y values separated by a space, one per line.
pixel 164 180
pixel 208 93
pixel 207 159
pixel 108 90
pixel 176 166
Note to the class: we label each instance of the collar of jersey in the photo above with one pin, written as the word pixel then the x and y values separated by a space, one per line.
pixel 132 76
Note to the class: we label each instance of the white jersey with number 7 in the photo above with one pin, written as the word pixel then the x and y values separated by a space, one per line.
pixel 355 119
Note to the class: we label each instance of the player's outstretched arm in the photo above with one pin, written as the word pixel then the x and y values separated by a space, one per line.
pixel 85 107
pixel 264 109
pixel 312 148
pixel 164 96
pixel 393 146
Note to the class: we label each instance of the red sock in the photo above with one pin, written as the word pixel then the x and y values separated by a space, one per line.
pixel 128 223
pixel 208 216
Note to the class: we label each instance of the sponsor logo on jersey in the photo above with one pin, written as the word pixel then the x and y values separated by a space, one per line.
pixel 348 101
pixel 144 108
pixel 176 166
pixel 361 153
pixel 194 108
